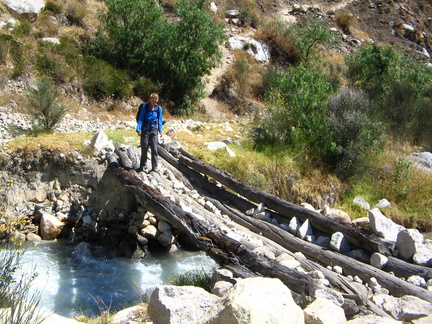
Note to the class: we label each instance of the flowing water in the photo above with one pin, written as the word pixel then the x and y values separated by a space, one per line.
pixel 85 279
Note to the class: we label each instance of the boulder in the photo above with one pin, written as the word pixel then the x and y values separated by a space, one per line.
pixel 214 146
pixel 100 142
pixel 305 230
pixel 172 304
pixel 323 311
pixel 337 214
pixel 339 243
pixel 407 243
pixel 360 201
pixel 25 6
pixel 259 300
pixel 259 50
pixel 382 226
pixel 378 260
pixel 50 227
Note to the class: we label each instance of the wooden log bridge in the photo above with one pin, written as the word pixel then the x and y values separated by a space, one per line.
pixel 221 228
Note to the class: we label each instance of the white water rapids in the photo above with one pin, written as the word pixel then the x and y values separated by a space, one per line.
pixel 85 279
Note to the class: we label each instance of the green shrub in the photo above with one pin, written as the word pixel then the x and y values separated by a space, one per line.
pixel 399 87
pixel 23 29
pixel 311 32
pixel 143 87
pixel 45 106
pixel 53 7
pixel 356 136
pixel 101 80
pixel 297 116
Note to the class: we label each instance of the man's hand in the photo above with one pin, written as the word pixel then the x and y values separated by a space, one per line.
pixel 139 133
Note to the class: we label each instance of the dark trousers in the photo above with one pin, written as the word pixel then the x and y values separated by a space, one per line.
pixel 149 137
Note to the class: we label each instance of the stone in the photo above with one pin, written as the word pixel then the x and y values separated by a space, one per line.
pixel 412 308
pixel 407 242
pixel 32 237
pixel 294 225
pixel 100 141
pixel 127 315
pixel 378 260
pixel 164 226
pixel 323 311
pixel 221 288
pixel 305 230
pixel 166 238
pixel 25 6
pixel 172 304
pixel 382 226
pixel 417 280
pixel 337 214
pixel 149 232
pixel 360 201
pixel 214 146
pixel 339 243
pixel 258 49
pixel 50 227
pixel 259 300
pixel 383 203
pixel 423 255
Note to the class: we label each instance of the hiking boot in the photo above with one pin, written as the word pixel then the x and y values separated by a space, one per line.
pixel 140 169
pixel 155 170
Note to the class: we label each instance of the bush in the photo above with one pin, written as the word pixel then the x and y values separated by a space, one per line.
pixel 102 80
pixel 399 87
pixel 17 304
pixel 53 7
pixel 356 136
pixel 45 106
pixel 298 115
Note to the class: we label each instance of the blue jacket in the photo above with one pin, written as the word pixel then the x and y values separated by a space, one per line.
pixel 147 117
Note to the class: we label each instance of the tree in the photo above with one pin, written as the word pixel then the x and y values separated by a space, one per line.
pixel 136 36
pixel 45 106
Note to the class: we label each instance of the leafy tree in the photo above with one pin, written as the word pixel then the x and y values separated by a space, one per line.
pixel 45 106
pixel 137 37
pixel 310 32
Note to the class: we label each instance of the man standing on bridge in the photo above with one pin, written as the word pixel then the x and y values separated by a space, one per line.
pixel 149 124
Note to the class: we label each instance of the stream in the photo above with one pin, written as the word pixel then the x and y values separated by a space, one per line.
pixel 85 279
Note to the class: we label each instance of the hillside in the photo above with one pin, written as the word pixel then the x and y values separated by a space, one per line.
pixel 407 24
pixel 28 50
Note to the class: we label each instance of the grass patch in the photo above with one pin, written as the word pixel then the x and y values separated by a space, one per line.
pixel 197 278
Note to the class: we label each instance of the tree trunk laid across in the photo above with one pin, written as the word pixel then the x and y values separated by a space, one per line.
pixel 287 210
pixel 224 250
pixel 396 286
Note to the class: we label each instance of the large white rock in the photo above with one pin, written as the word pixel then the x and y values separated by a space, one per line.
pixel 259 300
pixel 173 304
pixel 383 226
pixel 323 311
pixel 214 146
pixel 25 6
pixel 100 141
pixel 407 243
pixel 259 50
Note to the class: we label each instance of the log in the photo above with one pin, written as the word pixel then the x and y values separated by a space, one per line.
pixel 405 269
pixel 224 250
pixel 288 210
pixel 395 285
pixel 399 267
